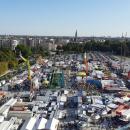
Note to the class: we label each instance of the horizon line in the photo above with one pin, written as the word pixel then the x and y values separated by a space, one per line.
pixel 79 36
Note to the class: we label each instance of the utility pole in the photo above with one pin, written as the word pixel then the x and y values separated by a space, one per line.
pixel 121 52
pixel 123 48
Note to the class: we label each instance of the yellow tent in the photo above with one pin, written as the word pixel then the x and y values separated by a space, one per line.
pixel 81 74
pixel 46 82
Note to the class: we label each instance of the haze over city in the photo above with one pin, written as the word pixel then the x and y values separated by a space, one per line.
pixel 63 17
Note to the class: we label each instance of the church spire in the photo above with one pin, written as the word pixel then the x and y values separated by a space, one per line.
pixel 75 38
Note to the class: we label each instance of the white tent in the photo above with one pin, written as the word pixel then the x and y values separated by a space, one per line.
pixel 42 124
pixel 66 92
pixel 113 75
pixel 107 83
pixel 35 82
pixel 79 79
pixel 126 115
pixel 97 117
pixel 98 101
pixel 31 72
pixel 125 98
pixel 3 82
pixel 118 100
pixel 45 60
pixel 18 81
pixel 89 78
pixel 37 66
pixel 61 115
pixel 62 63
pixel 1 119
pixel 31 123
pixel 52 124
pixel 63 98
pixel 114 106
pixel 99 74
pixel 93 73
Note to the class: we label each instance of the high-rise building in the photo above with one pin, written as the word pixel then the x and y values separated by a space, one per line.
pixel 28 41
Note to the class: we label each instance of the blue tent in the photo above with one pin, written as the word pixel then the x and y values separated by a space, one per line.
pixel 96 83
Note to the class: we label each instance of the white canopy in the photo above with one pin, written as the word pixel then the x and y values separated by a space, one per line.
pixel 126 113
pixel 112 105
pixel 66 91
pixel 63 99
pixel 31 123
pixel 125 98
pixel 1 119
pixel 52 124
pixel 42 124
pixel 118 100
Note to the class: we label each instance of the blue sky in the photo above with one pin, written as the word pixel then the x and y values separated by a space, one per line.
pixel 63 17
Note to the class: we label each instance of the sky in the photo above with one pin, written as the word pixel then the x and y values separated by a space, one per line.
pixel 63 17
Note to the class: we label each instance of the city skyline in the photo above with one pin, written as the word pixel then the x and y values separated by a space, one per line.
pixel 62 18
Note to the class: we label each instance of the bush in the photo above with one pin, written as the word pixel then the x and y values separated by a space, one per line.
pixel 3 67
pixel 12 64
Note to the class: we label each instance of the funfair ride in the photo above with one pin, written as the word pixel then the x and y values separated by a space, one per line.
pixel 29 74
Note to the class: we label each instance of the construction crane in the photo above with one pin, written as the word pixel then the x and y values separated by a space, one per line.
pixel 29 72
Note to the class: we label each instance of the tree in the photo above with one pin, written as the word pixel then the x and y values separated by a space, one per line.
pixel 112 46
pixel 59 48
pixel 40 51
pixel 12 64
pixel 25 50
pixel 3 67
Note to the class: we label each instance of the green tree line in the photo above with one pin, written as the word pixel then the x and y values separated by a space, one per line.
pixel 112 46
pixel 39 50
pixel 10 59
pixel 7 60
